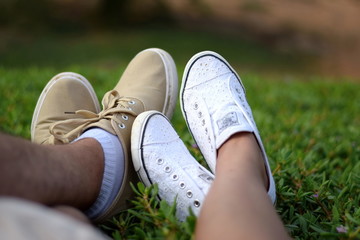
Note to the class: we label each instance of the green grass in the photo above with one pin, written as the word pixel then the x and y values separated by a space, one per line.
pixel 310 128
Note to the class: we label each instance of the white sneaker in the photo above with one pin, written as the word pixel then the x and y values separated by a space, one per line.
pixel 214 106
pixel 159 156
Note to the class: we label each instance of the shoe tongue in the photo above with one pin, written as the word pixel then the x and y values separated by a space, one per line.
pixel 201 176
pixel 227 121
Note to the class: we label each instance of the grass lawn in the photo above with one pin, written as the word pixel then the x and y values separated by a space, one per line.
pixel 310 125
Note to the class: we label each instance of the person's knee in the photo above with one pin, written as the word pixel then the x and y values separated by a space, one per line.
pixel 72 212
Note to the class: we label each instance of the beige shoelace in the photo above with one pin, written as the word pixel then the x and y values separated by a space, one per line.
pixel 112 103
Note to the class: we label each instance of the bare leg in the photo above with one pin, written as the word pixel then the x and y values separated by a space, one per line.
pixel 237 205
pixel 51 174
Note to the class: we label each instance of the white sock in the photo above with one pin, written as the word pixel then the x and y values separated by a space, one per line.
pixel 113 169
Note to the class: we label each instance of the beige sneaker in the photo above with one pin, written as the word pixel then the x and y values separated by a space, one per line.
pixel 63 95
pixel 149 82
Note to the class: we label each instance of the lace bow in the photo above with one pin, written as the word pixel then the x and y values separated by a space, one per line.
pixel 112 103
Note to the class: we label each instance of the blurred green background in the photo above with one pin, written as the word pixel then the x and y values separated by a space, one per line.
pixel 311 37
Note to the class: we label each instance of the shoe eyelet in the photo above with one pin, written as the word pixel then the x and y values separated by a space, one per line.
pixel 160 161
pixel 175 177
pixel 197 203
pixel 199 114
pixel 203 122
pixel 196 106
pixel 125 117
pixel 122 126
pixel 129 108
pixel 241 97
pixel 182 185
pixel 189 194
pixel 206 131
pixel 131 102
pixel 167 169
pixel 209 139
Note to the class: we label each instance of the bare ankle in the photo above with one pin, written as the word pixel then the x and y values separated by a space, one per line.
pixel 244 146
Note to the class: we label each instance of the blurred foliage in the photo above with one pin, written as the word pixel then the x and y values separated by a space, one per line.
pixel 116 13
pixel 61 15
pixel 21 12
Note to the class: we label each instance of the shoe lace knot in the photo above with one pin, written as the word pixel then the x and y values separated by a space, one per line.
pixel 113 104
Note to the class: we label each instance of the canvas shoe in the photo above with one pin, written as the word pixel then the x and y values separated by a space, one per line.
pixel 63 95
pixel 160 157
pixel 213 103
pixel 149 83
